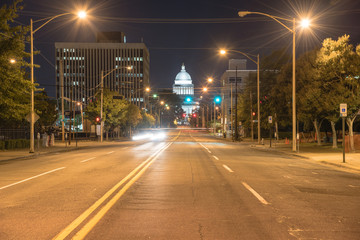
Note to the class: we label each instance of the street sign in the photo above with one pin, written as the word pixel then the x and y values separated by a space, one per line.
pixel 270 119
pixel 343 109
pixel 28 117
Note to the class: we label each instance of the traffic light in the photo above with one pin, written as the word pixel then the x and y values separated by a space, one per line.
pixel 217 99
pixel 184 115
pixel 97 119
pixel 188 99
pixel 194 115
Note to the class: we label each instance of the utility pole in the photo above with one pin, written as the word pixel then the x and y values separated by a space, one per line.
pixel 101 105
pixel 61 69
pixel 71 93
pixel 251 118
pixel 236 118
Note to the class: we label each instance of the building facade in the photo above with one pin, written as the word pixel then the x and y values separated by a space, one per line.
pixel 81 66
pixel 184 87
pixel 237 74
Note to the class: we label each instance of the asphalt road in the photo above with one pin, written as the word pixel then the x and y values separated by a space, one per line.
pixel 189 186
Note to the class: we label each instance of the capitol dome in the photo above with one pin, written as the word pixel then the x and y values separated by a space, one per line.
pixel 183 77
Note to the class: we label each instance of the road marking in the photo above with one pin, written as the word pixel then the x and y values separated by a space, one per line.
pixel 110 152
pixel 205 147
pixel 314 173
pixel 139 170
pixel 258 196
pixel 42 174
pixel 125 147
pixel 216 157
pixel 227 168
pixel 353 186
pixel 88 159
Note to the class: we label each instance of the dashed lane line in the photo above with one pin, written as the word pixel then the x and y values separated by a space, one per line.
pixel 227 168
pixel 88 159
pixel 215 157
pixel 110 152
pixel 30 178
pixel 258 196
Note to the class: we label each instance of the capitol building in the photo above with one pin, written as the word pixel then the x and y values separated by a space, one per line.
pixel 184 87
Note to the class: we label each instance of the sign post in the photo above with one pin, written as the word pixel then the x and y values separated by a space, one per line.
pixel 343 114
pixel 270 122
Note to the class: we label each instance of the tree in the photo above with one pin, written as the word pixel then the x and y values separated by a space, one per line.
pixel 114 111
pixel 14 88
pixel 46 109
pixel 132 116
pixel 339 65
pixel 310 96
pixel 147 120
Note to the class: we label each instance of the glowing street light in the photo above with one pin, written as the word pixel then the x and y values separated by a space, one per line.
pixel 210 80
pixel 147 89
pixel 304 23
pixel 12 61
pixel 205 89
pixel 162 102
pixel 32 32
pixel 82 14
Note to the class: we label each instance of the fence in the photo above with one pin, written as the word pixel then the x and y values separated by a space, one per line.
pixel 8 134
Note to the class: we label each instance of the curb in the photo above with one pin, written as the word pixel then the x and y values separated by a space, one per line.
pixel 308 158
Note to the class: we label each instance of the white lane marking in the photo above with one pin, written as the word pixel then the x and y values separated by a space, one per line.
pixel 314 173
pixel 111 152
pixel 27 179
pixel 88 159
pixel 258 196
pixel 125 147
pixel 227 168
pixel 353 186
pixel 216 157
pixel 205 147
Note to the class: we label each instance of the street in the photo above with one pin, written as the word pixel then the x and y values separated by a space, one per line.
pixel 188 186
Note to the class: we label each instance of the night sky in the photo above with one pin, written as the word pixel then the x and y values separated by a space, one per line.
pixel 210 25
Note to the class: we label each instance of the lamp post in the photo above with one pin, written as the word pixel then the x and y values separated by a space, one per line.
pixel 102 97
pixel 257 62
pixel 81 14
pixel 305 23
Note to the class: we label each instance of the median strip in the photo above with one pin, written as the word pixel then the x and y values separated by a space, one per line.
pixel 30 178
pixel 138 171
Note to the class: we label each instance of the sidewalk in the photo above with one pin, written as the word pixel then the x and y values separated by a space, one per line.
pixel 59 147
pixel 324 154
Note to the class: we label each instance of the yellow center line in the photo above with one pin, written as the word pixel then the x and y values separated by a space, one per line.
pixel 91 224
pixel 63 234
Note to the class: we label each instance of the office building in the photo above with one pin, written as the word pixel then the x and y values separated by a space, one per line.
pixel 237 71
pixel 84 63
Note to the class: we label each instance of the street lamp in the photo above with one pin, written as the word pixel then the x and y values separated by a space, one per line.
pixel 257 62
pixel 81 14
pixel 304 23
pixel 102 96
pixel 12 61
pixel 210 80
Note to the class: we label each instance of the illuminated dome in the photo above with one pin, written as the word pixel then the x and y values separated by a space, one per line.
pixel 183 77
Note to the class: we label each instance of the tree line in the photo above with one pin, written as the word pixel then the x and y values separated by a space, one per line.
pixel 325 77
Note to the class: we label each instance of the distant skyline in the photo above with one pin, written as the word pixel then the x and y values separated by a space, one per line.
pixel 187 31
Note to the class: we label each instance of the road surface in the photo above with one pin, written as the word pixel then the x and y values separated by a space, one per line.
pixel 188 186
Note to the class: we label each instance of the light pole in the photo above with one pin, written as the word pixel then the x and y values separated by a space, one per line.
pixel 81 14
pixel 257 62
pixel 305 23
pixel 102 97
